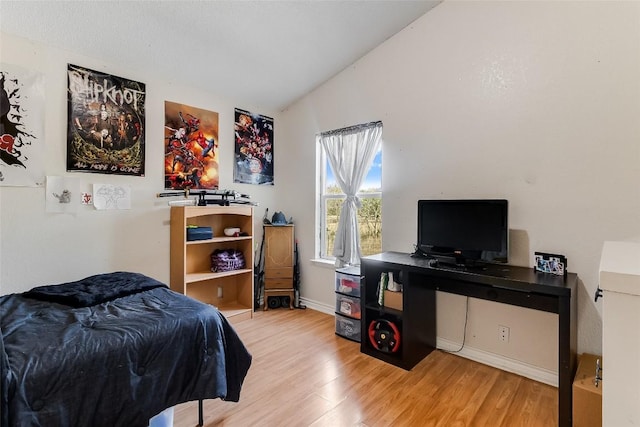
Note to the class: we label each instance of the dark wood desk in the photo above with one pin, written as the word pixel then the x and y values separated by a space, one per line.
pixel 506 284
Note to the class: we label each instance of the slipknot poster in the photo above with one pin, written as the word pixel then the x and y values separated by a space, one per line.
pixel 254 148
pixel 105 131
pixel 21 127
pixel 190 155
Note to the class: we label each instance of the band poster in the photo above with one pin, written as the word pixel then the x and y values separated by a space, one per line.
pixel 190 155
pixel 105 130
pixel 253 148
pixel 21 127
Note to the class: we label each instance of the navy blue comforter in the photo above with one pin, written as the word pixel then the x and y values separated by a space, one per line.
pixel 114 361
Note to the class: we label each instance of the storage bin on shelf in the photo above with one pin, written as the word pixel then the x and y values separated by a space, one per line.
pixel 227 260
pixel 195 233
pixel 391 289
pixel 393 299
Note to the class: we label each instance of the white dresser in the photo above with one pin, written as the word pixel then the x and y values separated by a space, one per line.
pixel 620 284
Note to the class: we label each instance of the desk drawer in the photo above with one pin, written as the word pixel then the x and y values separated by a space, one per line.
pixel 278 283
pixel 279 272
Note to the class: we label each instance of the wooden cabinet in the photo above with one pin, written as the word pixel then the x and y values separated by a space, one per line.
pixel 278 262
pixel 230 291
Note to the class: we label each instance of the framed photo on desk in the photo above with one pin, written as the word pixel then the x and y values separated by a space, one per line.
pixel 550 263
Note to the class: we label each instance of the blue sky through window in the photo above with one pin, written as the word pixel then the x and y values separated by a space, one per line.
pixel 373 180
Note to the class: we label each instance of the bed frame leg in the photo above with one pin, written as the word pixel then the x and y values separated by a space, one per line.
pixel 200 415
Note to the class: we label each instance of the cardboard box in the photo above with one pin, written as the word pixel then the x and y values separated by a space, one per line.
pixel 393 299
pixel 587 396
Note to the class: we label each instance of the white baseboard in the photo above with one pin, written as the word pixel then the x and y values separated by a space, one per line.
pixel 318 306
pixel 506 364
pixel 491 359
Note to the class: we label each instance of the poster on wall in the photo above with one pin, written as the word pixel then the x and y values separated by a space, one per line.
pixel 105 128
pixel 21 127
pixel 190 154
pixel 253 148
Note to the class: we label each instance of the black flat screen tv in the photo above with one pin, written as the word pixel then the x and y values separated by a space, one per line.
pixel 464 232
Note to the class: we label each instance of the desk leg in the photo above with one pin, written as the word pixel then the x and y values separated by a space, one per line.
pixel 566 359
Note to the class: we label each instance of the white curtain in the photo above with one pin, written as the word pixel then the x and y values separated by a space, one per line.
pixel 350 152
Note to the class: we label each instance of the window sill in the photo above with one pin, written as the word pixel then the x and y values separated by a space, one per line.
pixel 324 263
pixel 327 263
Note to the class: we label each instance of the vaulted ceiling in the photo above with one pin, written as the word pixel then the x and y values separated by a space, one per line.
pixel 269 53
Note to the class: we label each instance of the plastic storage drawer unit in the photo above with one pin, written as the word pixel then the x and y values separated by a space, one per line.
pixel 347 327
pixel 349 306
pixel 348 281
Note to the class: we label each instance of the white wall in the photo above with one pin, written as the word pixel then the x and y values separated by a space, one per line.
pixel 39 248
pixel 535 102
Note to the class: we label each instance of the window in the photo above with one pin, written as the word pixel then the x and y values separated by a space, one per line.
pixel 369 215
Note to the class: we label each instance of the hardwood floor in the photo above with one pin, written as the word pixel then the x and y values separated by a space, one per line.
pixel 303 374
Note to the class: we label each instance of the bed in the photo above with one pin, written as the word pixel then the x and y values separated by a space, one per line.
pixel 112 350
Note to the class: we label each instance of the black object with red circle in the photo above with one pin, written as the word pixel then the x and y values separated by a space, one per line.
pixel 384 335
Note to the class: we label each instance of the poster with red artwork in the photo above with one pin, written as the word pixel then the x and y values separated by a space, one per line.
pixel 190 148
pixel 22 147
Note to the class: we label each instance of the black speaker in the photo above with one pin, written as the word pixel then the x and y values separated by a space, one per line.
pixel 273 302
pixel 285 301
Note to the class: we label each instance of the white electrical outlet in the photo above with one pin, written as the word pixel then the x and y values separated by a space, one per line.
pixel 503 333
pixel 220 292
